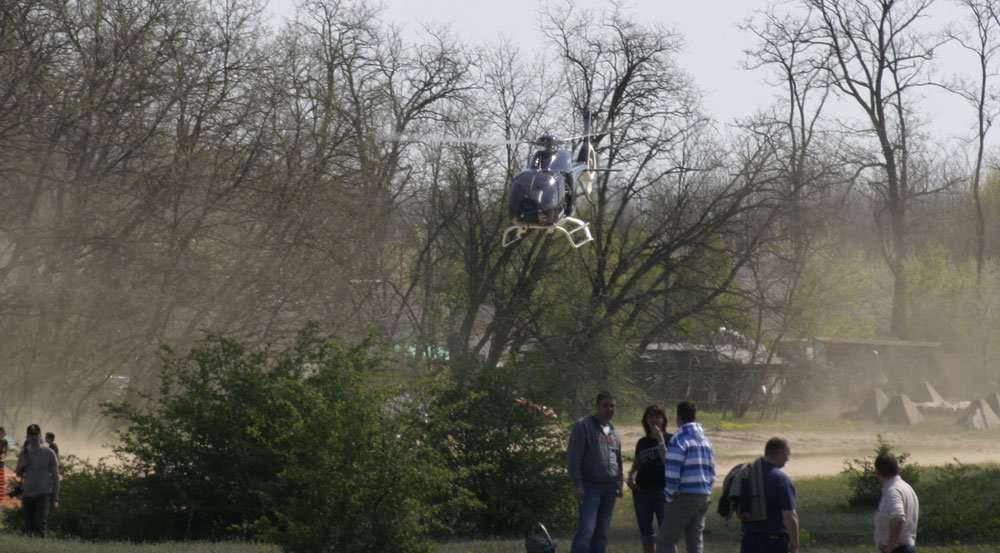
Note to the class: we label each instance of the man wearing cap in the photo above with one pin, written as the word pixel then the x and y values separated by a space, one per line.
pixel 38 468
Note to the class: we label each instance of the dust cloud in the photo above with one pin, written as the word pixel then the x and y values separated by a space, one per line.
pixel 822 452
pixel 81 444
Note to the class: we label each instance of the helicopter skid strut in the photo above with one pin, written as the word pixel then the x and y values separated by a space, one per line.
pixel 571 227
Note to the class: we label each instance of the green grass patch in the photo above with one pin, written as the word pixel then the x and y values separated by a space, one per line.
pixel 959 514
pixel 20 544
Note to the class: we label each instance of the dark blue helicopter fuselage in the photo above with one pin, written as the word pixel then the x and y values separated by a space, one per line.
pixel 541 193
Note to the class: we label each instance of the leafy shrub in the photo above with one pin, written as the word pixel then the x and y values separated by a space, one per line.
pixel 509 456
pixel 293 446
pixel 865 487
pixel 104 503
pixel 960 502
pixel 313 448
pixel 98 503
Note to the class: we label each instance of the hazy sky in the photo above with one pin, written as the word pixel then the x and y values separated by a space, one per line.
pixel 714 44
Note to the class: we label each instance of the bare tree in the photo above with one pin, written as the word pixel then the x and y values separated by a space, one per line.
pixel 812 183
pixel 980 38
pixel 876 57
pixel 676 224
pixel 172 172
pixel 463 213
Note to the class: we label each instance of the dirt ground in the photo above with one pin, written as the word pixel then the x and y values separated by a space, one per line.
pixel 819 445
pixel 820 450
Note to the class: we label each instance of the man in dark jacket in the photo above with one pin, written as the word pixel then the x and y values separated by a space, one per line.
pixel 595 467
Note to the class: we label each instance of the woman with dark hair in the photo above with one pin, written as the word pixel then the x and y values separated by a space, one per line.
pixel 646 479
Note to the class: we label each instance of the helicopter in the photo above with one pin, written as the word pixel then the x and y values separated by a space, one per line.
pixel 543 195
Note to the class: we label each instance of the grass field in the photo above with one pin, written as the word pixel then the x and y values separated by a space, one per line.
pixel 828 526
pixel 820 444
pixel 18 544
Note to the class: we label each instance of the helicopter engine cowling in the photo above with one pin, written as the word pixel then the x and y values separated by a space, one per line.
pixel 537 197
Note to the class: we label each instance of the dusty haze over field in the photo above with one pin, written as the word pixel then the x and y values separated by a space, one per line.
pixel 822 452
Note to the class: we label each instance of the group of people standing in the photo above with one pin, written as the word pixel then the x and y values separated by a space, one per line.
pixel 671 477
pixel 671 481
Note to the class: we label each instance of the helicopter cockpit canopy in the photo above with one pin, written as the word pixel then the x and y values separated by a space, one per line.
pixel 558 161
pixel 537 197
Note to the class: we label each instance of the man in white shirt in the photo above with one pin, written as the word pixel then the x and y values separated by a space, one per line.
pixel 898 510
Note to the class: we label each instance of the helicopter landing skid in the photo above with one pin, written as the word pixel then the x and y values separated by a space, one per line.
pixel 571 227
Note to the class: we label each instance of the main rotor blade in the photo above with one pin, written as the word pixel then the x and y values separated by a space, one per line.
pixel 592 134
pixel 444 139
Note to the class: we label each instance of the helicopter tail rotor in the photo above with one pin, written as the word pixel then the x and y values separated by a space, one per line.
pixel 586 178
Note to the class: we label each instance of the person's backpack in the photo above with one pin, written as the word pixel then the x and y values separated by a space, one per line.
pixel 729 501
pixel 539 542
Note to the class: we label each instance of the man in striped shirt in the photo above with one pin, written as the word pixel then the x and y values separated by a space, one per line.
pixel 690 473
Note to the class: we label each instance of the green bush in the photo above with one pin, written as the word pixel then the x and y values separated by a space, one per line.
pixel 312 447
pixel 294 446
pixel 104 503
pixel 101 503
pixel 960 502
pixel 865 487
pixel 508 455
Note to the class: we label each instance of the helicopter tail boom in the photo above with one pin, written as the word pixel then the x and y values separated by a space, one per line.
pixel 587 155
pixel 584 155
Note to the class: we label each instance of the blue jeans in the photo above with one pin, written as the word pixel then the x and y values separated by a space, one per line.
pixel 648 503
pixel 595 518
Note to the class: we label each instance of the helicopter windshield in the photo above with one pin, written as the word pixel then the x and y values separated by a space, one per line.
pixel 556 162
pixel 541 161
pixel 562 162
pixel 537 197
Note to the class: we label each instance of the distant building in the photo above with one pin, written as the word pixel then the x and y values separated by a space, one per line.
pixel 854 366
pixel 724 375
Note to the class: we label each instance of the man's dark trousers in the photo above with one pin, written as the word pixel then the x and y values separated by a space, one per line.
pixel 36 512
pixel 757 542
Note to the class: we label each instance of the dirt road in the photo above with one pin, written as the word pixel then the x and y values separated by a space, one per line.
pixel 822 450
